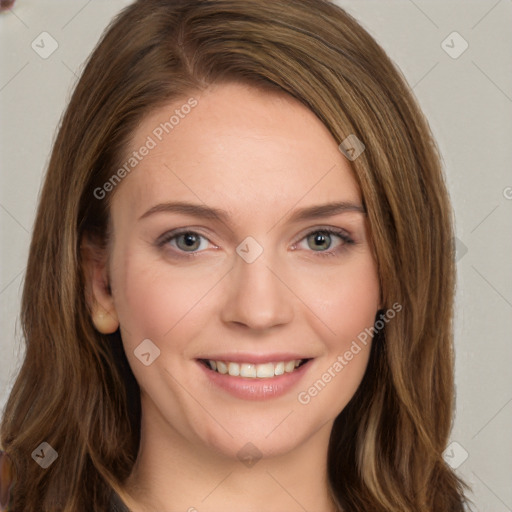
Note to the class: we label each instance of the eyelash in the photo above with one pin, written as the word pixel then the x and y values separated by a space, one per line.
pixel 347 240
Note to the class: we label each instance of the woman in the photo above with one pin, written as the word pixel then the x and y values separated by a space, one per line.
pixel 241 276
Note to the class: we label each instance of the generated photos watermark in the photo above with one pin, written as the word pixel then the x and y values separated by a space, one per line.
pixel 304 397
pixel 157 135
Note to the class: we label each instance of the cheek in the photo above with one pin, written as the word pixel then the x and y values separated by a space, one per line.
pixel 152 298
pixel 345 298
pixel 356 304
pixel 348 307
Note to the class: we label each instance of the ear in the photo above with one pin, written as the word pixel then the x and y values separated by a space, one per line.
pixel 97 286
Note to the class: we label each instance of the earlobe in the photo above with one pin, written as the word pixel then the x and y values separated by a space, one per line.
pixel 105 322
pixel 98 291
pixel 104 315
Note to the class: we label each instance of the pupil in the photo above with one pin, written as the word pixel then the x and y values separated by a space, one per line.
pixel 321 239
pixel 189 239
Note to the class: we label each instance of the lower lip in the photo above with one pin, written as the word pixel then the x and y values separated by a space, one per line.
pixel 249 388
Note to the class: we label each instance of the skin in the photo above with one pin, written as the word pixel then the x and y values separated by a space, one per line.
pixel 259 156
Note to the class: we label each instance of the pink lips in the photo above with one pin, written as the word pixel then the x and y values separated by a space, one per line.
pixel 255 388
pixel 254 358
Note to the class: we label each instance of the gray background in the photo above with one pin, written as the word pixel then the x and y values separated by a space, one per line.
pixel 468 101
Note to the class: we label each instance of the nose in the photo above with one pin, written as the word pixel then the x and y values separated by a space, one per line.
pixel 258 294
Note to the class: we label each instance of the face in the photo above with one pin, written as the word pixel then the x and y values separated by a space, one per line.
pixel 248 278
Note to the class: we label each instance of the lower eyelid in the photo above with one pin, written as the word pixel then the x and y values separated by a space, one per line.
pixel 344 238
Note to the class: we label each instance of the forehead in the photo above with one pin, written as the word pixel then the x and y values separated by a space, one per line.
pixel 238 148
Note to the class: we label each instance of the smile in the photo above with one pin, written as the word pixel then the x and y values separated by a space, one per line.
pixel 252 370
pixel 254 376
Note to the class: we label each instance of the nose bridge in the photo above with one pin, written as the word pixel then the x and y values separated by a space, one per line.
pixel 257 296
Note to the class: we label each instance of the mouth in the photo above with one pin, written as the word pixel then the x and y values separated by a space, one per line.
pixel 249 370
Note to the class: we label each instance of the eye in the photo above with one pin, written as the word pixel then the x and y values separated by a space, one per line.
pixel 321 239
pixel 184 241
pixel 190 243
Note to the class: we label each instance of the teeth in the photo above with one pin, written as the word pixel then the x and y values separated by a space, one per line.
pixel 265 370
pixel 289 366
pixel 221 367
pixel 234 369
pixel 253 371
pixel 247 370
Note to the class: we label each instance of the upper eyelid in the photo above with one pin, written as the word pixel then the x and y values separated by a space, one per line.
pixel 170 235
pixel 332 229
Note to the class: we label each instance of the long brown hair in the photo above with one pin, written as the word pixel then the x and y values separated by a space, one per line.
pixel 75 389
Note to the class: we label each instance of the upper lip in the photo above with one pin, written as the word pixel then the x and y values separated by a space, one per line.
pixel 255 358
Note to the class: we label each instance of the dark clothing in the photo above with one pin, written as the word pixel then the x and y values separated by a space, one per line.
pixel 116 504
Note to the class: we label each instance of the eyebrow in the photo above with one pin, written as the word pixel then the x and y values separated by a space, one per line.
pixel 216 214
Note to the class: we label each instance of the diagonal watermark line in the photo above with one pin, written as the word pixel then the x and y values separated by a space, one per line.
pixel 491 80
pixel 333 419
pixel 70 69
pixel 199 403
pixel 286 491
pixel 198 301
pixel 11 10
pixel 301 300
pixel 485 15
pixel 14 76
pixel 428 72
pixel 501 408
pixel 211 492
pixel 424 14
pixel 165 165
pixel 321 178
pixel 73 17
pixel 14 218
pixel 282 421
pixel 489 283
pixel 11 281
pixel 282 217
pixel 509 508
pixel 492 211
